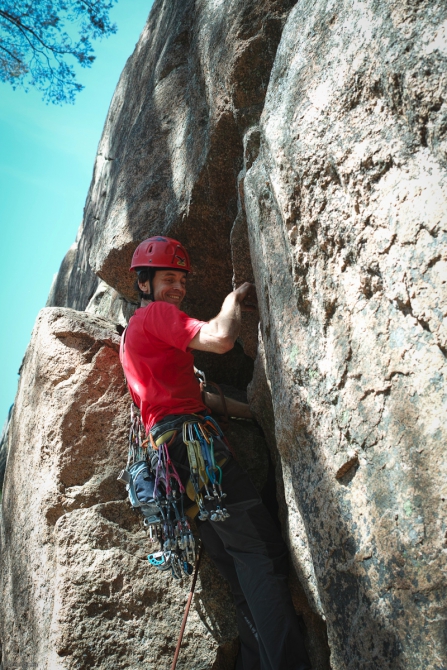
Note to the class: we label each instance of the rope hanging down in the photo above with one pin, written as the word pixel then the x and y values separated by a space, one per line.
pixel 187 607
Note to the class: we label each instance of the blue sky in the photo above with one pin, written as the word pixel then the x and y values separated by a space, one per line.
pixel 46 163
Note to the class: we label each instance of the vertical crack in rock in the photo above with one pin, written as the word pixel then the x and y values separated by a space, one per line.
pixel 346 206
pixel 302 145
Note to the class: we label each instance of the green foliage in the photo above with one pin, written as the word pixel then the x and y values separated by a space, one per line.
pixel 35 43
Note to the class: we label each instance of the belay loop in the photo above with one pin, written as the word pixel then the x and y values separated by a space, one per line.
pixel 206 475
pixel 155 488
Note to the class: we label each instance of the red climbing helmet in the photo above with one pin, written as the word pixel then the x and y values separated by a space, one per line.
pixel 161 252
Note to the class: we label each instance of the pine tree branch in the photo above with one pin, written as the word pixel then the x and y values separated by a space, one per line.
pixel 19 60
pixel 23 28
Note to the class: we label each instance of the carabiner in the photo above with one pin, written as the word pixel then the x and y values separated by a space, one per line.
pixel 203 431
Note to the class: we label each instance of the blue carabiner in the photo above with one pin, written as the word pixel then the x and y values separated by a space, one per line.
pixel 211 475
pixel 217 428
pixel 220 474
pixel 205 449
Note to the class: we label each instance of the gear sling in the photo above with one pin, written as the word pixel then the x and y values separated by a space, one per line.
pixel 156 490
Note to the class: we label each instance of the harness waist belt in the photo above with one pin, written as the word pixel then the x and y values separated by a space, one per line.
pixel 171 423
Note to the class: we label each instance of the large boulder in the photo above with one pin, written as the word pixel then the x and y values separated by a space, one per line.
pixel 77 589
pixel 346 208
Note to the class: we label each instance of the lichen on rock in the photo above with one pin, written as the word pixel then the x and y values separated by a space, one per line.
pixel 345 209
pixel 302 146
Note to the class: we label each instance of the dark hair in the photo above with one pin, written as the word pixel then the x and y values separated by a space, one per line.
pixel 144 274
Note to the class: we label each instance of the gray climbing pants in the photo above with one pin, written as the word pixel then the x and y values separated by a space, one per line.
pixel 250 553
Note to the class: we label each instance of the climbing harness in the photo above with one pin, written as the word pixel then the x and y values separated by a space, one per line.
pixel 155 489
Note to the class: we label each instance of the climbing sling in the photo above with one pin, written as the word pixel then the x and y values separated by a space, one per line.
pixel 205 472
pixel 155 489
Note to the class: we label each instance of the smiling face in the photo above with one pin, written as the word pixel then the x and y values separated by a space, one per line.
pixel 169 286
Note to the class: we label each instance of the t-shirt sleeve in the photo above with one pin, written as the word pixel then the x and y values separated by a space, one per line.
pixel 169 324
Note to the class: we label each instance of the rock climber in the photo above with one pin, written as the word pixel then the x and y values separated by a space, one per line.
pixel 246 546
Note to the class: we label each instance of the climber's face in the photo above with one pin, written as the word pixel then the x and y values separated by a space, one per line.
pixel 169 286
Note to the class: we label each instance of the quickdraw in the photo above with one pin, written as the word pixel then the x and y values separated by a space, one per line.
pixel 137 438
pixel 205 474
pixel 156 489
pixel 177 540
pixel 170 526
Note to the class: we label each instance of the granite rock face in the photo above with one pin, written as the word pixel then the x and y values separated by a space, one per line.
pixel 346 208
pixel 109 304
pixel 74 271
pixel 77 589
pixel 171 147
pixel 4 446
pixel 302 146
pixel 169 157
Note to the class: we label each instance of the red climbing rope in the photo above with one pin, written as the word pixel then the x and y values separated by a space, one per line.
pixel 185 615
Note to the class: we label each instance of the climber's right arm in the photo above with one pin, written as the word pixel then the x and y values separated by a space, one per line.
pixel 220 334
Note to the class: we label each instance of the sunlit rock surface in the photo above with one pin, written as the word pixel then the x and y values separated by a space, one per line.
pixel 303 146
pixel 77 589
pixel 347 218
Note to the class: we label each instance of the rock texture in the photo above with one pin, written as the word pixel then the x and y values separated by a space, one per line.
pixel 303 146
pixel 346 208
pixel 171 146
pixel 77 590
pixel 108 303
pixel 4 446
pixel 73 272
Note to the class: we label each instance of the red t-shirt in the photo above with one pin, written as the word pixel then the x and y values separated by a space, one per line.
pixel 158 365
